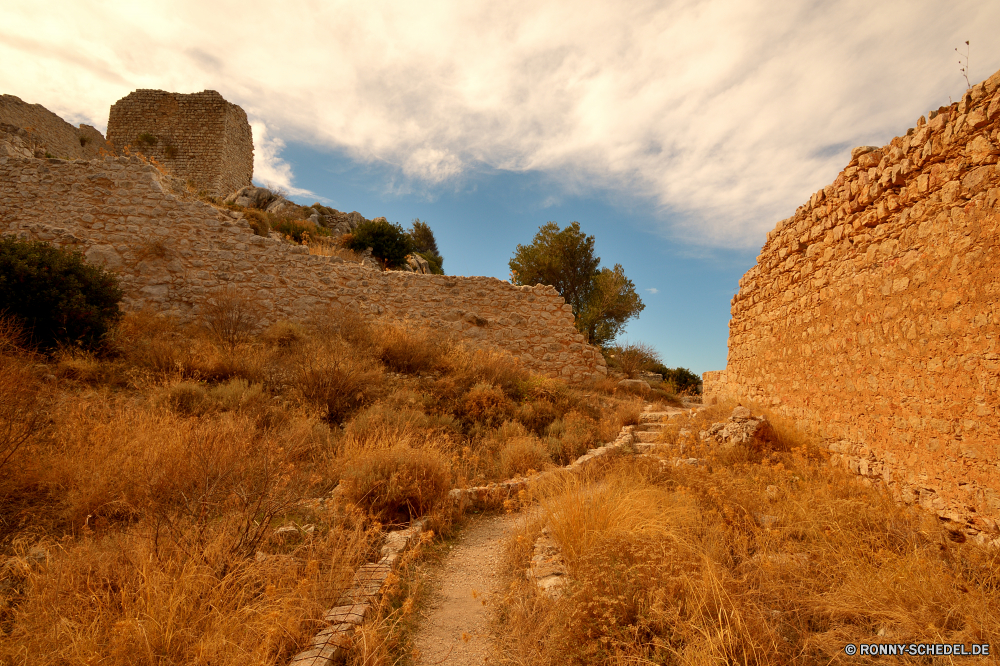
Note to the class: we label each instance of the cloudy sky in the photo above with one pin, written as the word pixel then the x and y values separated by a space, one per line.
pixel 676 132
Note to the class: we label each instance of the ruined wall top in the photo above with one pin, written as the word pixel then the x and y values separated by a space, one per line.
pixel 199 136
pixel 47 133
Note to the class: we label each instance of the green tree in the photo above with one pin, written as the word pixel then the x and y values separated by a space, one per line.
pixel 55 295
pixel 603 300
pixel 389 243
pixel 612 302
pixel 426 246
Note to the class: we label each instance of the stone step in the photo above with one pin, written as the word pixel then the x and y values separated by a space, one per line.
pixel 647 436
pixel 650 427
pixel 659 417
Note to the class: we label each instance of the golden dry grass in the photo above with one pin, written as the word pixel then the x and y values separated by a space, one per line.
pixel 142 487
pixel 757 557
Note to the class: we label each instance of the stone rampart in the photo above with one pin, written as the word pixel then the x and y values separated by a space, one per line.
pixel 872 315
pixel 173 252
pixel 198 137
pixel 48 133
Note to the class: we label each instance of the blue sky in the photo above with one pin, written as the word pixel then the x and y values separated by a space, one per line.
pixel 676 132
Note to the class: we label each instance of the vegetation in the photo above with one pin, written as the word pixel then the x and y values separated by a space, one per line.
pixel 680 380
pixel 752 557
pixel 389 243
pixel 426 246
pixel 633 358
pixel 603 299
pixel 54 296
pixel 140 490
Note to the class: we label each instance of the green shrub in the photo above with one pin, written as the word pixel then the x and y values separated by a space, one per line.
pixel 55 295
pixel 389 243
pixel 298 230
pixel 681 379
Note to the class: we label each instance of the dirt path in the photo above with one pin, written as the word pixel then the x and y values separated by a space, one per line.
pixel 455 628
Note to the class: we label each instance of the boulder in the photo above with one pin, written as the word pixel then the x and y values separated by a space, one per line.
pixel 417 264
pixel 634 386
pixel 742 428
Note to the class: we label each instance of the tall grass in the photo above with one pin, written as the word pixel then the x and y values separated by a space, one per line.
pixel 757 557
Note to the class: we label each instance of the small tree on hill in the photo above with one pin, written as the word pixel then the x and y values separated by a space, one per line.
pixel 603 299
pixel 389 243
pixel 426 246
pixel 55 295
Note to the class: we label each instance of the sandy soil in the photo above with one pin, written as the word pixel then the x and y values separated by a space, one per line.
pixel 455 628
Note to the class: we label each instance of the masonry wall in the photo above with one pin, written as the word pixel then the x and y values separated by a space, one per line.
pixel 199 137
pixel 48 132
pixel 173 252
pixel 873 314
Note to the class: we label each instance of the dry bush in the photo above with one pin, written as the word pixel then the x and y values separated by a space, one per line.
pixel 231 316
pixel 406 348
pixel 635 357
pixel 332 378
pixel 537 415
pixel 778 561
pixel 21 409
pixel 123 598
pixel 572 436
pixel 470 365
pixel 624 412
pixel 487 405
pixel 285 334
pixel 523 454
pixel 152 342
pixel 395 481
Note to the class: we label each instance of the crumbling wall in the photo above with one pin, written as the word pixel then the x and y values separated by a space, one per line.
pixel 198 137
pixel 873 314
pixel 48 133
pixel 173 252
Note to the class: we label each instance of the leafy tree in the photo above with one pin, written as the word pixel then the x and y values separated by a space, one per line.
pixel 683 380
pixel 426 246
pixel 612 302
pixel 55 295
pixel 389 243
pixel 603 300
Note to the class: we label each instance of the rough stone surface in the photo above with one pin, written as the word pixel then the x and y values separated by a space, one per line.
pixel 873 314
pixel 636 385
pixel 45 132
pixel 742 429
pixel 173 252
pixel 199 137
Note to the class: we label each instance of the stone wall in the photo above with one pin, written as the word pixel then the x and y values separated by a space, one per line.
pixel 873 314
pixel 173 252
pixel 48 133
pixel 198 137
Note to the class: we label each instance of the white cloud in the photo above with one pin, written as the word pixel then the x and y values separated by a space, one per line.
pixel 268 167
pixel 653 290
pixel 727 113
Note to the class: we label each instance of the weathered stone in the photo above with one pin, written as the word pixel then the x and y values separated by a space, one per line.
pixel 634 385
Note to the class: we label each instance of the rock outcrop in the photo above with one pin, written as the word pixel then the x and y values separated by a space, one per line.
pixel 742 429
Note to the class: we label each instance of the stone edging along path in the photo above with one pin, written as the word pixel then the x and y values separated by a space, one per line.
pixel 547 570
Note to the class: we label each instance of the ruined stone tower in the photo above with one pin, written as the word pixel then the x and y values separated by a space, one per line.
pixel 199 137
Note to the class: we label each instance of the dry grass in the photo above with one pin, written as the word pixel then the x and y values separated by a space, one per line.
pixel 760 557
pixel 142 487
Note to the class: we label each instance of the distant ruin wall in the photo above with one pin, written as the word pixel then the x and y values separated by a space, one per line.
pixel 199 137
pixel 173 252
pixel 873 314
pixel 48 132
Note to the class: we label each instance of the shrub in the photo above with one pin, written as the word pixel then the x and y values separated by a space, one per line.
pixel 20 409
pixel 231 316
pixel 397 483
pixel 576 434
pixel 635 357
pixel 487 405
pixel 55 295
pixel 336 381
pixel 389 243
pixel 521 454
pixel 298 230
pixel 681 379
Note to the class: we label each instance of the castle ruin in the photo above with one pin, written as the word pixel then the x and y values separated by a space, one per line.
pixel 198 137
pixel 872 315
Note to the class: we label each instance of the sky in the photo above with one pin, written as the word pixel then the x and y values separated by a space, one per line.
pixel 677 133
